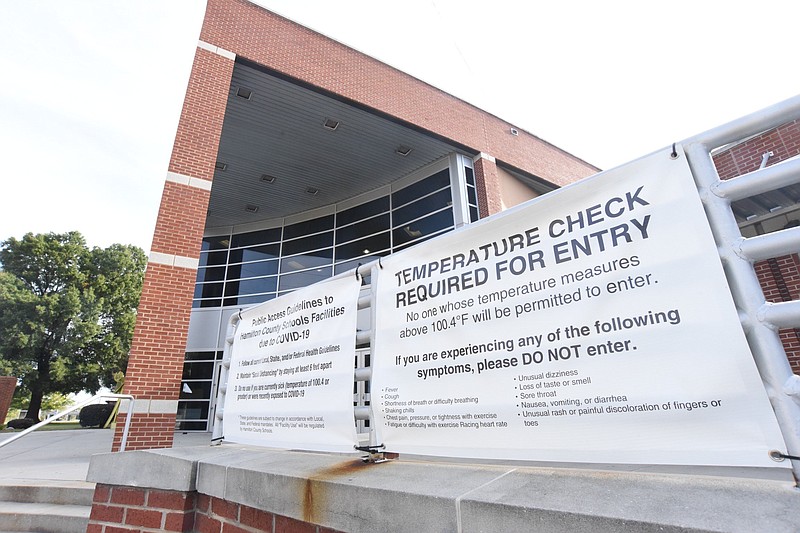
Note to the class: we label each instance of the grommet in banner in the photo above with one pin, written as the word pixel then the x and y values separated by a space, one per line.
pixel 674 154
pixel 779 457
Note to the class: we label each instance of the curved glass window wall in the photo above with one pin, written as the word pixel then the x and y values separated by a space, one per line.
pixel 253 267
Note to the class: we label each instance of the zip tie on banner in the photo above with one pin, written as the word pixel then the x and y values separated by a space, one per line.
pixel 379 263
pixel 674 154
pixel 218 438
pixel 775 455
pixel 357 277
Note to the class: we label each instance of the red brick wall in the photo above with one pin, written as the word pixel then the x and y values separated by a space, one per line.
pixel 195 150
pixel 487 183
pixel 779 277
pixel 783 142
pixel 254 33
pixel 780 281
pixel 8 385
pixel 125 509
pixel 156 359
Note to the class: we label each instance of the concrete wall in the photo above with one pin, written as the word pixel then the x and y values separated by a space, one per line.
pixel 234 488
pixel 512 190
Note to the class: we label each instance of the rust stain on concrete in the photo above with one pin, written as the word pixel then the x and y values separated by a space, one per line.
pixel 315 494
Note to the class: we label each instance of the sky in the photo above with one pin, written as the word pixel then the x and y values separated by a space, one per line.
pixel 91 91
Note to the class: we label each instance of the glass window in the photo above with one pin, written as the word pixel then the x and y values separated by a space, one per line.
pixel 256 237
pixel 308 227
pixel 251 286
pixel 470 176
pixel 367 227
pixel 215 243
pixel 424 227
pixel 195 390
pixel 253 267
pixel 197 410
pixel 421 188
pixel 472 196
pixel 361 247
pixel 210 274
pixel 213 258
pixel 253 270
pixel 198 370
pixel 320 258
pixel 360 212
pixel 249 300
pixel 302 279
pixel 313 242
pixel 208 290
pixel 421 207
pixel 259 253
pixel 199 356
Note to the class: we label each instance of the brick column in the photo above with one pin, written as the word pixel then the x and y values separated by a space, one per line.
pixel 488 184
pixel 8 385
pixel 155 364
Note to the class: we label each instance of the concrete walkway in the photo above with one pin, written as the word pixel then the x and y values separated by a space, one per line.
pixel 64 455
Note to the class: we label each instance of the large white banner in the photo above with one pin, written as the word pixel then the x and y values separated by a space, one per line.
pixel 591 325
pixel 290 383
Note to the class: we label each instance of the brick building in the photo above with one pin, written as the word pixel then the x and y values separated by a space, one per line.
pixel 769 212
pixel 295 159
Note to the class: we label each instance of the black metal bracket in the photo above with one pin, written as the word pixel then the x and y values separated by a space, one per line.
pixel 374 453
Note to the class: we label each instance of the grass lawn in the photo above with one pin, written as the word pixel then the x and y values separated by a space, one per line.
pixel 52 426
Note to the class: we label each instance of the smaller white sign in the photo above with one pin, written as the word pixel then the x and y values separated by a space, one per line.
pixel 290 383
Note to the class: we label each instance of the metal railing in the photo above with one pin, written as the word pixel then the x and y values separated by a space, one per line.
pixel 760 319
pixel 81 405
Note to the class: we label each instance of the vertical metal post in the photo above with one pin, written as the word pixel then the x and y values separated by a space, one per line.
pixel 374 281
pixel 216 434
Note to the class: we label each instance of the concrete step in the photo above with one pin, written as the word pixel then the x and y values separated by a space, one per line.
pixel 53 506
pixel 56 518
pixel 46 491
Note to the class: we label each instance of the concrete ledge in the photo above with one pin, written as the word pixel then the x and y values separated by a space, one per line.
pixel 167 468
pixel 341 492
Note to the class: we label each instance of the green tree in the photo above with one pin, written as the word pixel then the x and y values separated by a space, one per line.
pixel 55 401
pixel 67 312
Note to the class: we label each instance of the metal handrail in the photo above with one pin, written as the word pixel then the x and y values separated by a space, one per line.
pixel 73 408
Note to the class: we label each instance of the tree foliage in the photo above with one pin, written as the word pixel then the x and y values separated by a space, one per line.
pixel 67 312
pixel 55 401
